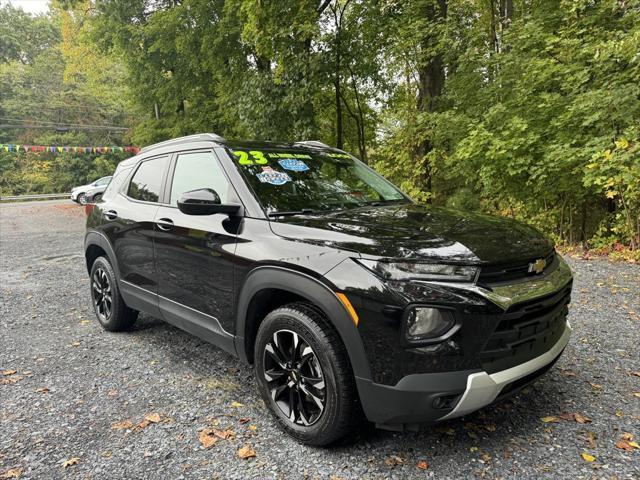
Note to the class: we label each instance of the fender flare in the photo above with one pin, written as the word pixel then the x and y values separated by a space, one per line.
pixel 317 293
pixel 98 239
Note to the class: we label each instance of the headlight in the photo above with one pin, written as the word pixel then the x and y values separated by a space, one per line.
pixel 428 323
pixel 421 271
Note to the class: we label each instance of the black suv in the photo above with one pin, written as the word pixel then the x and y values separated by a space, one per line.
pixel 345 295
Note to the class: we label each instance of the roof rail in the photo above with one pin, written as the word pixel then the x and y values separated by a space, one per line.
pixel 312 143
pixel 188 138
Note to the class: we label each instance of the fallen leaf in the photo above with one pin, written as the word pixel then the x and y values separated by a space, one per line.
pixel 42 390
pixel 637 374
pixel 422 465
pixel 246 451
pixel 8 372
pixel 637 394
pixel 568 373
pixel 591 438
pixel 581 418
pixel 11 379
pixel 626 442
pixel 152 417
pixel 577 417
pixel 619 413
pixel 490 427
pixel 244 420
pixel 486 458
pixel 595 386
pixel 393 460
pixel 625 445
pixel 143 424
pixel 224 434
pixel 253 428
pixel 11 473
pixel 550 419
pixel 71 461
pixel 123 425
pixel 473 449
pixel 207 437
pixel 446 430
pixel 84 322
pixel 112 393
pixel 237 404
pixel 587 458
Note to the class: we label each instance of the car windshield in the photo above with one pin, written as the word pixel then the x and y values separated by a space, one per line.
pixel 299 181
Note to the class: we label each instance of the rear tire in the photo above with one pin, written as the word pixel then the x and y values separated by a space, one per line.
pixel 108 305
pixel 96 198
pixel 304 375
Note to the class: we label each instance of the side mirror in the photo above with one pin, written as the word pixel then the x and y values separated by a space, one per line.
pixel 205 201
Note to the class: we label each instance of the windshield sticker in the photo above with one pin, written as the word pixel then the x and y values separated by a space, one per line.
pixel 257 157
pixel 293 164
pixel 289 155
pixel 269 175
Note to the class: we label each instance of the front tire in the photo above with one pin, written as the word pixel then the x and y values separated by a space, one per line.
pixel 304 375
pixel 82 199
pixel 108 305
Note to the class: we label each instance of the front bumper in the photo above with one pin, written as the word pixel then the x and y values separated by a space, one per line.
pixel 482 388
pixel 415 398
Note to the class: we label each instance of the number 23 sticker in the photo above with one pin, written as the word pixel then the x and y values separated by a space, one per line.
pixel 251 158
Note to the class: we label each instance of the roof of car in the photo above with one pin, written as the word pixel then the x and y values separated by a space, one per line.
pixel 309 145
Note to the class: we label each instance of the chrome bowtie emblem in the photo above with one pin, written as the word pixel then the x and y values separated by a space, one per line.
pixel 537 266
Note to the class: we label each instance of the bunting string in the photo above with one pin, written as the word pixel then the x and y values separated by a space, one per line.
pixel 11 147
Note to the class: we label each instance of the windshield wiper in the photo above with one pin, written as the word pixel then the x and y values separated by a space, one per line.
pixel 304 211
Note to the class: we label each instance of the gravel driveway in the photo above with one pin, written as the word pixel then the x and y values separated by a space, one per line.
pixel 80 395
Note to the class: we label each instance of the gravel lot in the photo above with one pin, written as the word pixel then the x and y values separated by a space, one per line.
pixel 75 382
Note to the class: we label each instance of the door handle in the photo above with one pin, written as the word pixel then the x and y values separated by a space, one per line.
pixel 165 224
pixel 110 214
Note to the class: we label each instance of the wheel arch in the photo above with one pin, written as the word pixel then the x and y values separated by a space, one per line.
pixel 302 287
pixel 96 245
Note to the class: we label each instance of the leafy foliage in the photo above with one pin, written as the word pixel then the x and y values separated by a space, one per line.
pixel 521 108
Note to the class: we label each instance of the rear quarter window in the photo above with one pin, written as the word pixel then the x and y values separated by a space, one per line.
pixel 146 182
pixel 116 183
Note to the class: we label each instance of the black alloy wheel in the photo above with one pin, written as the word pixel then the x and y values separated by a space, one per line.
pixel 102 294
pixel 304 375
pixel 294 377
pixel 113 313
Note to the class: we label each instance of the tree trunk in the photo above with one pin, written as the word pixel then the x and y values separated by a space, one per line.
pixel 431 77
pixel 583 225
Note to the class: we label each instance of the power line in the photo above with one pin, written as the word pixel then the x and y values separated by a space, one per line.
pixel 110 128
pixel 26 120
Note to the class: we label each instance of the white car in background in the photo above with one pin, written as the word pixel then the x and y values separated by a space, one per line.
pixel 79 194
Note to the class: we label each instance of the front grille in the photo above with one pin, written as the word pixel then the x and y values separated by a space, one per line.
pixel 526 330
pixel 515 271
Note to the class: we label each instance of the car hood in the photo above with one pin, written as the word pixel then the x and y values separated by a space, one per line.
pixel 418 232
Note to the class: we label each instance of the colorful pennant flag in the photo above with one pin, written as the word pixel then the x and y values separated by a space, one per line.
pixel 10 147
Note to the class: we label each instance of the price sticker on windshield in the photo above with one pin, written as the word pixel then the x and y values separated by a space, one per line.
pixel 252 157
pixel 257 157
